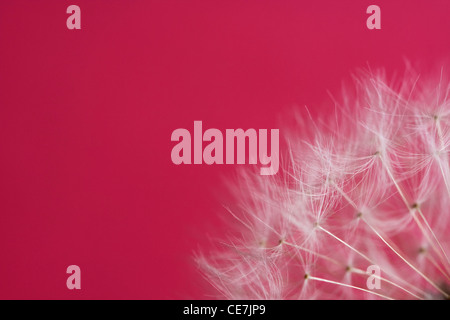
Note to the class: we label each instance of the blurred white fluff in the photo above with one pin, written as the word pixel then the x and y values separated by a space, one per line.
pixel 371 186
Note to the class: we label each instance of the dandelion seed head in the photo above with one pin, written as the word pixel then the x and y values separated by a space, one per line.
pixel 371 186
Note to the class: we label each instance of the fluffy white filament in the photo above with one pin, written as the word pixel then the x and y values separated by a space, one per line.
pixel 369 187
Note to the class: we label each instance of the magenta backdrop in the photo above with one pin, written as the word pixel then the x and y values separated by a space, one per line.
pixel 86 117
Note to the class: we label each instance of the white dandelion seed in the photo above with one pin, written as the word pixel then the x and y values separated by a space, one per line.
pixel 370 187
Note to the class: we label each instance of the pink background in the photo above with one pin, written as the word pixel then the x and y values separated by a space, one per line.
pixel 86 117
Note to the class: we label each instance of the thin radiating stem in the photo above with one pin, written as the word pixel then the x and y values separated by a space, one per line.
pixel 353 204
pixel 406 261
pixel 348 286
pixel 419 224
pixel 436 265
pixel 419 210
pixel 346 244
pixel 351 269
pixel 359 271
